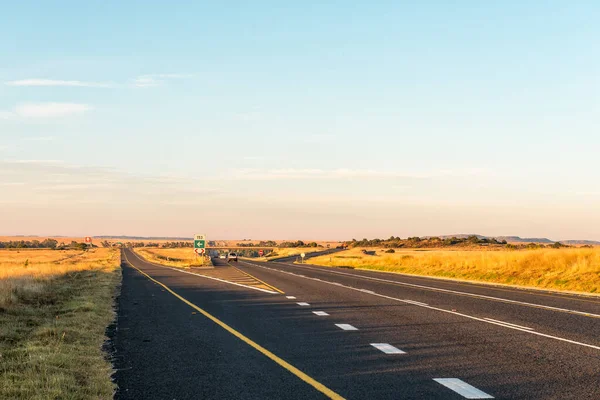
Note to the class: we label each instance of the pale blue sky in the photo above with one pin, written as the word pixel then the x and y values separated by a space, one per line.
pixel 328 121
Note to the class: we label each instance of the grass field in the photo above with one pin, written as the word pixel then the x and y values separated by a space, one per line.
pixel 573 269
pixel 292 251
pixel 54 310
pixel 181 258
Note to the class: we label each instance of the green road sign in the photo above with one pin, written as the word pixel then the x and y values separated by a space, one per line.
pixel 199 244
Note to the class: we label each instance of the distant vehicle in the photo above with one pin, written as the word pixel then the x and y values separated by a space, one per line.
pixel 232 256
pixel 223 256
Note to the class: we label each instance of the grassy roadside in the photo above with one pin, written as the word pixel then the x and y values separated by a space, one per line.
pixel 284 252
pixel 179 257
pixel 54 310
pixel 292 251
pixel 571 269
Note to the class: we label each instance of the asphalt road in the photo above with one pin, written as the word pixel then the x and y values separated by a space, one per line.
pixel 448 340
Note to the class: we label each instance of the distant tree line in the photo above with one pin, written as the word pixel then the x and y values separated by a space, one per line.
pixel 418 242
pixel 30 244
pixel 432 242
pixel 51 244
pixel 252 253
pixel 175 245
pixel 166 245
pixel 298 243
pixel 262 243
pixel 272 243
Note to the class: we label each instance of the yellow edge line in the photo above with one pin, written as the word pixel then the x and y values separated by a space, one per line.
pixel 263 282
pixel 312 382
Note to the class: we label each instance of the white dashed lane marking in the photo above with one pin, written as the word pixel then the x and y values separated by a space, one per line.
pixel 303 304
pixel 454 312
pixel 387 348
pixel 463 388
pixel 320 313
pixel 346 327
pixel 290 297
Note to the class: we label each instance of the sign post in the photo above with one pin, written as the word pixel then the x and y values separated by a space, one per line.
pixel 200 245
pixel 260 253
pixel 302 255
pixel 88 241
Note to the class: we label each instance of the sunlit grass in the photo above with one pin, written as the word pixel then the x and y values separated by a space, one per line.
pixel 54 310
pixel 292 251
pixel 564 269
pixel 179 257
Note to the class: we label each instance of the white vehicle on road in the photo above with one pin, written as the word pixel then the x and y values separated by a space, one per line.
pixel 232 256
pixel 223 256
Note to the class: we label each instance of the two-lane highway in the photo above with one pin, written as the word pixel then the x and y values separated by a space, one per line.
pixel 348 333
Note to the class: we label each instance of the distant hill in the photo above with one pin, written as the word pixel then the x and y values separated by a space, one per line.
pixel 517 239
pixel 142 237
pixel 581 242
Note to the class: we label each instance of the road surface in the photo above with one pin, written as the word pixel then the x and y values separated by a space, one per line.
pixel 342 333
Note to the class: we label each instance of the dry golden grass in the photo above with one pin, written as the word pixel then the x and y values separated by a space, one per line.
pixel 181 257
pixel 563 269
pixel 292 251
pixel 54 310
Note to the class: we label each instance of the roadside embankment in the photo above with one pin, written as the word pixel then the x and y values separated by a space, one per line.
pixel 572 269
pixel 55 307
pixel 178 257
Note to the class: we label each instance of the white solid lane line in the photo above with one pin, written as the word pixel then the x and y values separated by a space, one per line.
pixel 481 296
pixel 303 304
pixel 417 304
pixel 387 348
pixel 346 327
pixel 320 313
pixel 508 323
pixel 463 388
pixel 290 297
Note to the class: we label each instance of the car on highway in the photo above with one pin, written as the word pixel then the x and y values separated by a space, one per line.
pixel 232 256
pixel 223 256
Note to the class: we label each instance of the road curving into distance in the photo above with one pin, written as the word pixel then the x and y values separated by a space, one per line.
pixel 337 333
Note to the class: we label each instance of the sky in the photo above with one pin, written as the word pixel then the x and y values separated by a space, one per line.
pixel 304 120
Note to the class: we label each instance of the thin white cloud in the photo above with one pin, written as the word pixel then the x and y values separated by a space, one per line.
pixel 170 76
pixel 253 158
pixel 141 81
pixel 45 110
pixel 146 80
pixel 152 80
pixel 340 173
pixel 48 162
pixel 39 139
pixel 53 182
pixel 249 116
pixel 57 82
pixel 12 183
pixel 318 139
